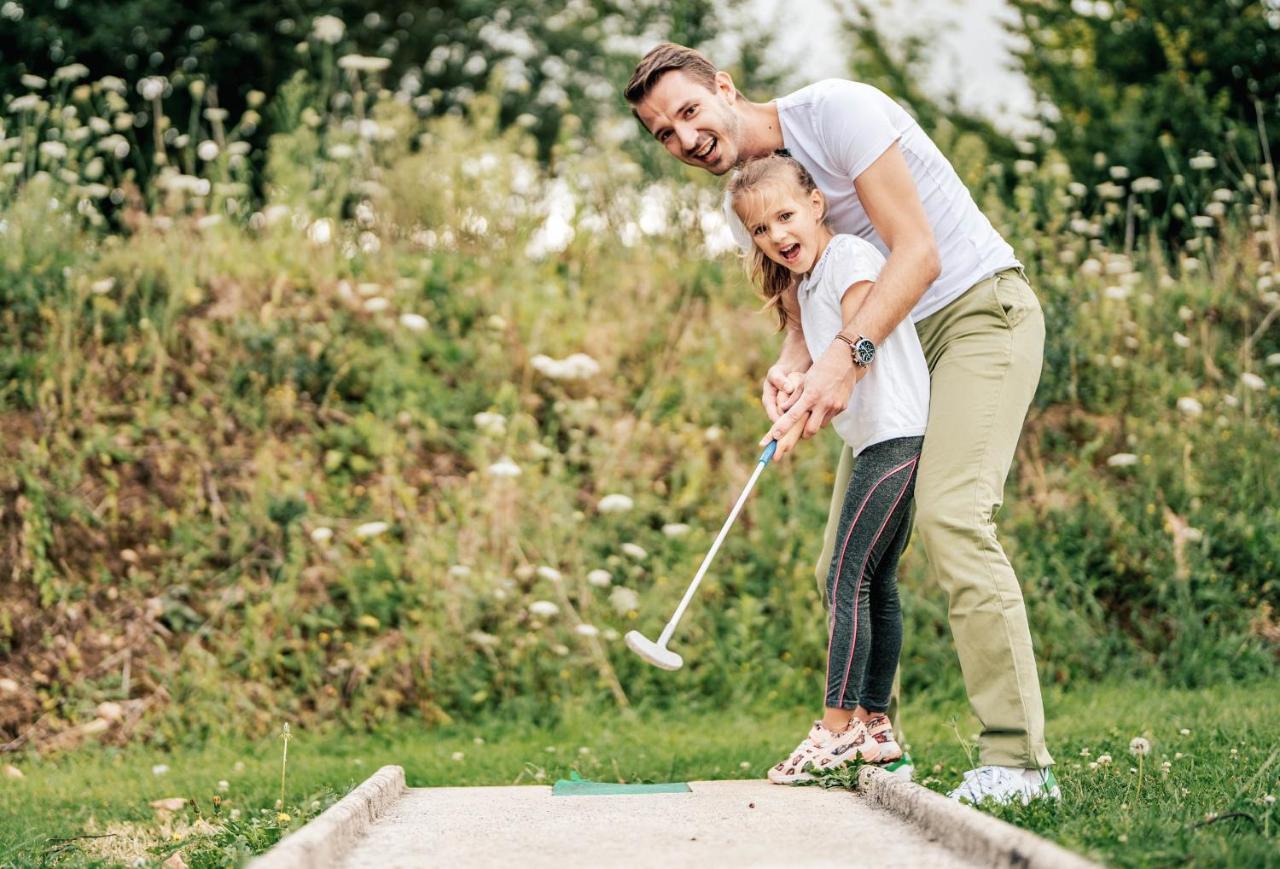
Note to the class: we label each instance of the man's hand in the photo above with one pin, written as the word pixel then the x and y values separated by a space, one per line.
pixel 824 394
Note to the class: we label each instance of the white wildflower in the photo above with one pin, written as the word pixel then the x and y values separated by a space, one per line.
pixel 1139 746
pixel 614 503
pixel 585 630
pixel 675 529
pixel 320 232
pixel 550 574
pixel 1146 184
pixel 579 366
pixel 635 551
pixel 53 150
pixel 1122 460
pixel 1181 340
pixel 363 63
pixel 376 304
pixel 1119 173
pixel 1273 360
pixel 102 286
pixel 1116 292
pixel 413 322
pixel 1202 161
pixel 623 600
pixel 505 468
pixel 1091 268
pixel 328 29
pixel 599 578
pixel 1104 759
pixel 543 608
pixel 480 638
pixel 1253 381
pixel 112 84
pixel 321 534
pixel 1215 209
pixel 27 103
pixel 1024 167
pixel 490 423
pixel 371 529
pixel 1110 190
pixel 160 769
pixel 1190 406
pixel 207 150
pixel 457 755
pixel 71 72
pixel 1202 221
pixel 152 87
pixel 33 82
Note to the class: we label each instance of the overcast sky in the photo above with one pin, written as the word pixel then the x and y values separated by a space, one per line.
pixel 972 50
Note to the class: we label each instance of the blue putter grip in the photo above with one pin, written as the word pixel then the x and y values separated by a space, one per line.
pixel 767 455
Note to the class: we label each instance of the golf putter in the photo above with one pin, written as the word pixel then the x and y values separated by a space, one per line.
pixel 657 653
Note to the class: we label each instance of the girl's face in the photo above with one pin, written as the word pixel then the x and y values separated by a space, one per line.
pixel 784 222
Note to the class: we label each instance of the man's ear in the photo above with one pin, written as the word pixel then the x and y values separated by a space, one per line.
pixel 724 87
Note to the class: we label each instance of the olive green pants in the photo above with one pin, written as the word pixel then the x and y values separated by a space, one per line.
pixel 984 352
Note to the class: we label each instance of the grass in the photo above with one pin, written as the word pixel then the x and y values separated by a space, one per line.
pixel 1208 808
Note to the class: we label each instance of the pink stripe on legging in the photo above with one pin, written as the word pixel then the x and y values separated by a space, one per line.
pixel 858 587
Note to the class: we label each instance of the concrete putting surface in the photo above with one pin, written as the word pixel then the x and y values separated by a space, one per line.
pixel 716 823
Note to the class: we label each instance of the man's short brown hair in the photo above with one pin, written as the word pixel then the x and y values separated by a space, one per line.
pixel 664 58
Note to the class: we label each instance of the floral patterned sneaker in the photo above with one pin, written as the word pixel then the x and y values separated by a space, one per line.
pixel 885 748
pixel 821 750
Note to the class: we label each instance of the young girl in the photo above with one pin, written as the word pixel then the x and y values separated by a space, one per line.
pixel 801 265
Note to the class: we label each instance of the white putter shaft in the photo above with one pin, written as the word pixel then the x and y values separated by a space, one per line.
pixel 657 653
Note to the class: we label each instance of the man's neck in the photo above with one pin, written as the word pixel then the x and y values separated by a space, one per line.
pixel 762 131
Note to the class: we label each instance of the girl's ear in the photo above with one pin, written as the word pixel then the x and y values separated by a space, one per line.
pixel 818 203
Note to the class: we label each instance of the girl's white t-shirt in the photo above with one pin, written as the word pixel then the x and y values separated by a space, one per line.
pixel 836 129
pixel 892 399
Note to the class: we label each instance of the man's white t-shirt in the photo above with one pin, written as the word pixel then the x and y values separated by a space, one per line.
pixel 836 129
pixel 892 399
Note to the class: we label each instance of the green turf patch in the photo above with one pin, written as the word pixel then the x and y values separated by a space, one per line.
pixel 576 786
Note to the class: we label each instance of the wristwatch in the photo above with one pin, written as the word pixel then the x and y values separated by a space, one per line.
pixel 863 349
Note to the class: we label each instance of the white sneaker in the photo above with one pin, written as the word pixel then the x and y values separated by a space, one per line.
pixel 1004 784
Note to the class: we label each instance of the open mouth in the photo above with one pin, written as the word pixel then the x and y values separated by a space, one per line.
pixel 707 152
pixel 790 253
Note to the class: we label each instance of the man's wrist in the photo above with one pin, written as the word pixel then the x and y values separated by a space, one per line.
pixel 862 350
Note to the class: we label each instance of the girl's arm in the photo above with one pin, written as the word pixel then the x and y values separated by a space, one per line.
pixel 793 360
pixel 833 371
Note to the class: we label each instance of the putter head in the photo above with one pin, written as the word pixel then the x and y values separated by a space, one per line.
pixel 658 656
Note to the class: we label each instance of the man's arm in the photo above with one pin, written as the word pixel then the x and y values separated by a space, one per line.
pixel 892 202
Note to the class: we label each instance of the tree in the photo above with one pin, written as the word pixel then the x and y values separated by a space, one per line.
pixel 1140 81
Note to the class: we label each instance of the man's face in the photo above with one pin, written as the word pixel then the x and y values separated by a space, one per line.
pixel 698 126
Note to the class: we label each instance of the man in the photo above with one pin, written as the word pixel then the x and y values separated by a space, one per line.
pixel 979 323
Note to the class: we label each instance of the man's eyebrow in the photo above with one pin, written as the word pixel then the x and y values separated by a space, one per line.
pixel 678 112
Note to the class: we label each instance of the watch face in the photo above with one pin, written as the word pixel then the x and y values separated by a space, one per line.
pixel 864 351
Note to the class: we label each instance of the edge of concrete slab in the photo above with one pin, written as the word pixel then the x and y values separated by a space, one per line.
pixel 963 829
pixel 324 841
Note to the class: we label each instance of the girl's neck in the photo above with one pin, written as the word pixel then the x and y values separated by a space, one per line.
pixel 824 238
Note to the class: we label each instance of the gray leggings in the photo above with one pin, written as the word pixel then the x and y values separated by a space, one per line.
pixel 865 620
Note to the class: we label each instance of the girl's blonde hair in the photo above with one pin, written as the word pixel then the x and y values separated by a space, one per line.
pixel 772 278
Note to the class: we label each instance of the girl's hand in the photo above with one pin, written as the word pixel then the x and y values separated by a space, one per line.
pixel 788 441
pixel 790 393
pixel 779 386
pixel 824 394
